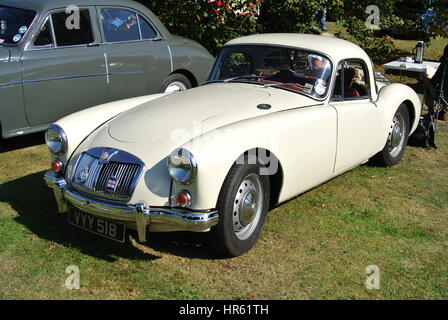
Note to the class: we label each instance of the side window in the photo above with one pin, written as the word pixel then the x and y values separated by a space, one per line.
pixel 44 37
pixel 352 80
pixel 119 25
pixel 147 31
pixel 72 37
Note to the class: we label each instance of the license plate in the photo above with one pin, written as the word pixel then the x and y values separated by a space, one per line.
pixel 105 228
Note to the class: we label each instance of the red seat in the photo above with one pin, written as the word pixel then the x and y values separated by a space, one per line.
pixel 350 92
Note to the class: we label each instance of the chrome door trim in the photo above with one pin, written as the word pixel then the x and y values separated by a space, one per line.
pixel 66 77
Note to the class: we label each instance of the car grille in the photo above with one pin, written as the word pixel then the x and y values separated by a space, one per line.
pixel 114 178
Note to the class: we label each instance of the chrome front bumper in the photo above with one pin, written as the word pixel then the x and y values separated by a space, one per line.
pixel 136 216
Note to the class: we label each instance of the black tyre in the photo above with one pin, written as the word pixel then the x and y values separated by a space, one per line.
pixel 176 82
pixel 242 205
pixel 397 140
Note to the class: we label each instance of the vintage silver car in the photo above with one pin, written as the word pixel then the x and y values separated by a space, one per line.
pixel 60 56
pixel 279 115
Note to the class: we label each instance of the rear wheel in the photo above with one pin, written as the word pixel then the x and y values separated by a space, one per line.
pixel 242 205
pixel 397 139
pixel 176 82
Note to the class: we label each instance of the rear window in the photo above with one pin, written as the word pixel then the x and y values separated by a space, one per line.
pixel 14 24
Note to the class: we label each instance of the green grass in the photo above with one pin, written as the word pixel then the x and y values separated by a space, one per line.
pixel 316 246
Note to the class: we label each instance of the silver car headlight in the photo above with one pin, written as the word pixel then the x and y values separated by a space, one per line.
pixel 182 166
pixel 56 139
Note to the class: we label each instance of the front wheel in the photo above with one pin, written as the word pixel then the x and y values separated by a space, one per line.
pixel 397 139
pixel 176 82
pixel 242 205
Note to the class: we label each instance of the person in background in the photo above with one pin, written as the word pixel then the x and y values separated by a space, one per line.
pixel 322 14
pixel 434 85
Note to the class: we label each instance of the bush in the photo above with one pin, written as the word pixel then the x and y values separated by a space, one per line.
pixel 211 23
pixel 296 16
pixel 214 22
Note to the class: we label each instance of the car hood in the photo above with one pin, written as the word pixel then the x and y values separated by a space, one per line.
pixel 200 110
pixel 5 54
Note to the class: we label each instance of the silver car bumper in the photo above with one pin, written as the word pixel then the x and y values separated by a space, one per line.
pixel 135 216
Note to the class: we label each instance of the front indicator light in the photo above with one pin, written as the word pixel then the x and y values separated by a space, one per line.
pixel 57 166
pixel 183 199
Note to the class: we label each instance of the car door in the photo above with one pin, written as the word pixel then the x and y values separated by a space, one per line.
pixel 358 115
pixel 138 58
pixel 63 67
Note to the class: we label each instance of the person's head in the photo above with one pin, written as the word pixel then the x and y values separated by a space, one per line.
pixel 317 61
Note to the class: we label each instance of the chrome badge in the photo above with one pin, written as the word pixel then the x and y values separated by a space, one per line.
pixel 105 156
pixel 83 175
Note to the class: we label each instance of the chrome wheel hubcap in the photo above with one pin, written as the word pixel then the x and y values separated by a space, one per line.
pixel 397 135
pixel 175 86
pixel 247 206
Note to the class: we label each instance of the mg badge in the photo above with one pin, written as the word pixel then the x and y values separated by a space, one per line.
pixel 83 175
pixel 105 156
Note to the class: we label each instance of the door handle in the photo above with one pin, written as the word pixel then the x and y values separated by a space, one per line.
pixel 93 44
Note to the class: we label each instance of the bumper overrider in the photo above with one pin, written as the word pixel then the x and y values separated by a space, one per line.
pixel 135 216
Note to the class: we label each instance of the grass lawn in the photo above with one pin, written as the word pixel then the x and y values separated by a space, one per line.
pixel 316 246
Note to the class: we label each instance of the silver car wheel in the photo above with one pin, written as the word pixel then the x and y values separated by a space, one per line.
pixel 247 206
pixel 397 135
pixel 176 86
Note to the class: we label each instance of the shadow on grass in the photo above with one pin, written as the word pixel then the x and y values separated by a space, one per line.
pixel 22 142
pixel 36 208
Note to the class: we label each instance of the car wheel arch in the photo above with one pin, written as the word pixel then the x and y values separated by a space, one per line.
pixel 412 114
pixel 276 179
pixel 190 76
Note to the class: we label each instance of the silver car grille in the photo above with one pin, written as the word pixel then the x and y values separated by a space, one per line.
pixel 112 178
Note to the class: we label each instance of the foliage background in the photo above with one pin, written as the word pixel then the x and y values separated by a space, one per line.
pixel 214 22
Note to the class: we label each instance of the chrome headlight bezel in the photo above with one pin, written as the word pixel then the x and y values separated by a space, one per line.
pixel 56 139
pixel 182 166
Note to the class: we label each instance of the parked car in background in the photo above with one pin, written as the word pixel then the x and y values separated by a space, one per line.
pixel 279 115
pixel 61 56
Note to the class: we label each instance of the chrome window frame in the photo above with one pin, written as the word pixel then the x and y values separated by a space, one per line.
pixel 159 36
pixel 46 46
pixel 48 15
pixel 368 97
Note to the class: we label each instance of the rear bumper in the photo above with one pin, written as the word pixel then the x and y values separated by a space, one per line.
pixel 136 216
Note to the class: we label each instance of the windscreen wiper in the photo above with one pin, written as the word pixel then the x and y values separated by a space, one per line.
pixel 249 76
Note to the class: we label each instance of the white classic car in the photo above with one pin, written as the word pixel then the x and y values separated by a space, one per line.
pixel 279 115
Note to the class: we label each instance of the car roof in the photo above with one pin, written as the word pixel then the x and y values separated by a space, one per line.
pixel 45 5
pixel 42 6
pixel 336 49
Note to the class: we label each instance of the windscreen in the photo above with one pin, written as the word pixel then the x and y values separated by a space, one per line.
pixel 297 70
pixel 14 24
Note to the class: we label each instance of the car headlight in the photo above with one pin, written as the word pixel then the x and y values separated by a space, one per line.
pixel 182 166
pixel 56 139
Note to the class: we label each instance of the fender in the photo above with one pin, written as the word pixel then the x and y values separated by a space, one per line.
pixel 79 125
pixel 389 99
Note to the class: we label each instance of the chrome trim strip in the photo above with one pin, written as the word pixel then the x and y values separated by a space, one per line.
pixel 53 34
pixel 107 68
pixel 10 83
pixel 66 77
pixel 171 58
